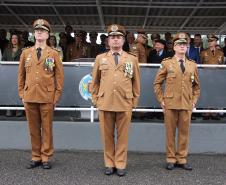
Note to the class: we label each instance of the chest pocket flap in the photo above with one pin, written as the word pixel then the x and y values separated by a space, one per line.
pixel 103 67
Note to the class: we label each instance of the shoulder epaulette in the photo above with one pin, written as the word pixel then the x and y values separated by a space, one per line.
pixel 55 49
pixel 132 54
pixel 26 48
pixel 167 58
pixel 191 60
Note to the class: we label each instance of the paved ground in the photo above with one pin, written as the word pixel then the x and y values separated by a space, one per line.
pixel 86 168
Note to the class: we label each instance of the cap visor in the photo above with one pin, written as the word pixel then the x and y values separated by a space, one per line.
pixel 116 33
pixel 41 27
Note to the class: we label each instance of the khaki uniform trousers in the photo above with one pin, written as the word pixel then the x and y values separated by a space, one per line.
pixel 115 154
pixel 39 116
pixel 177 119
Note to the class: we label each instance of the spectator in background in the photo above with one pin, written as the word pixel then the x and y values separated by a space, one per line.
pixel 94 48
pixel 169 47
pixel 104 47
pixel 68 30
pixel 168 36
pixel 140 47
pixel 3 41
pixel 78 49
pixel 84 37
pixel 102 44
pixel 192 53
pixel 224 49
pixel 25 41
pixel 52 42
pixel 85 44
pixel 12 53
pixel 159 52
pixel 212 55
pixel 131 42
pixel 63 44
pixel 154 36
pixel 198 43
pixel 125 46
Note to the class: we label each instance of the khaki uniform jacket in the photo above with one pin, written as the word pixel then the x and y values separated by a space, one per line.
pixel 140 51
pixel 207 57
pixel 75 51
pixel 181 89
pixel 35 84
pixel 112 89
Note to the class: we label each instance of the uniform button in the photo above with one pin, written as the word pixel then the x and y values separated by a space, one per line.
pixel 36 72
pixel 114 90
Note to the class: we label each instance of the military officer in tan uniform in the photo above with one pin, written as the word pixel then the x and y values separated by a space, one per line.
pixel 212 55
pixel 177 100
pixel 40 83
pixel 139 48
pixel 78 49
pixel 116 90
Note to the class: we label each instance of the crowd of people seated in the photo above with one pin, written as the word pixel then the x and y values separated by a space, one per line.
pixel 72 48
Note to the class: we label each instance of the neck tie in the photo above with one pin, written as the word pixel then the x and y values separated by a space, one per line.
pixel 116 58
pixel 213 52
pixel 182 65
pixel 39 50
pixel 158 53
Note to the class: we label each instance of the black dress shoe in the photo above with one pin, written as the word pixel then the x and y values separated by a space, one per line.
pixel 184 166
pixel 109 171
pixel 46 165
pixel 121 172
pixel 170 166
pixel 33 164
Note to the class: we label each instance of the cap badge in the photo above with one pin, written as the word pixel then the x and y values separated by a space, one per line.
pixel 40 22
pixel 181 36
pixel 114 28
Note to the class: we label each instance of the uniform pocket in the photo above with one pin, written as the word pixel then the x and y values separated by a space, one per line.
pixel 129 95
pixel 170 77
pixel 103 68
pixel 168 94
pixel 50 88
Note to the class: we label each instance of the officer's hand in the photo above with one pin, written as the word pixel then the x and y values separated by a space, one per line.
pixel 193 104
pixel 163 106
pixel 54 105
